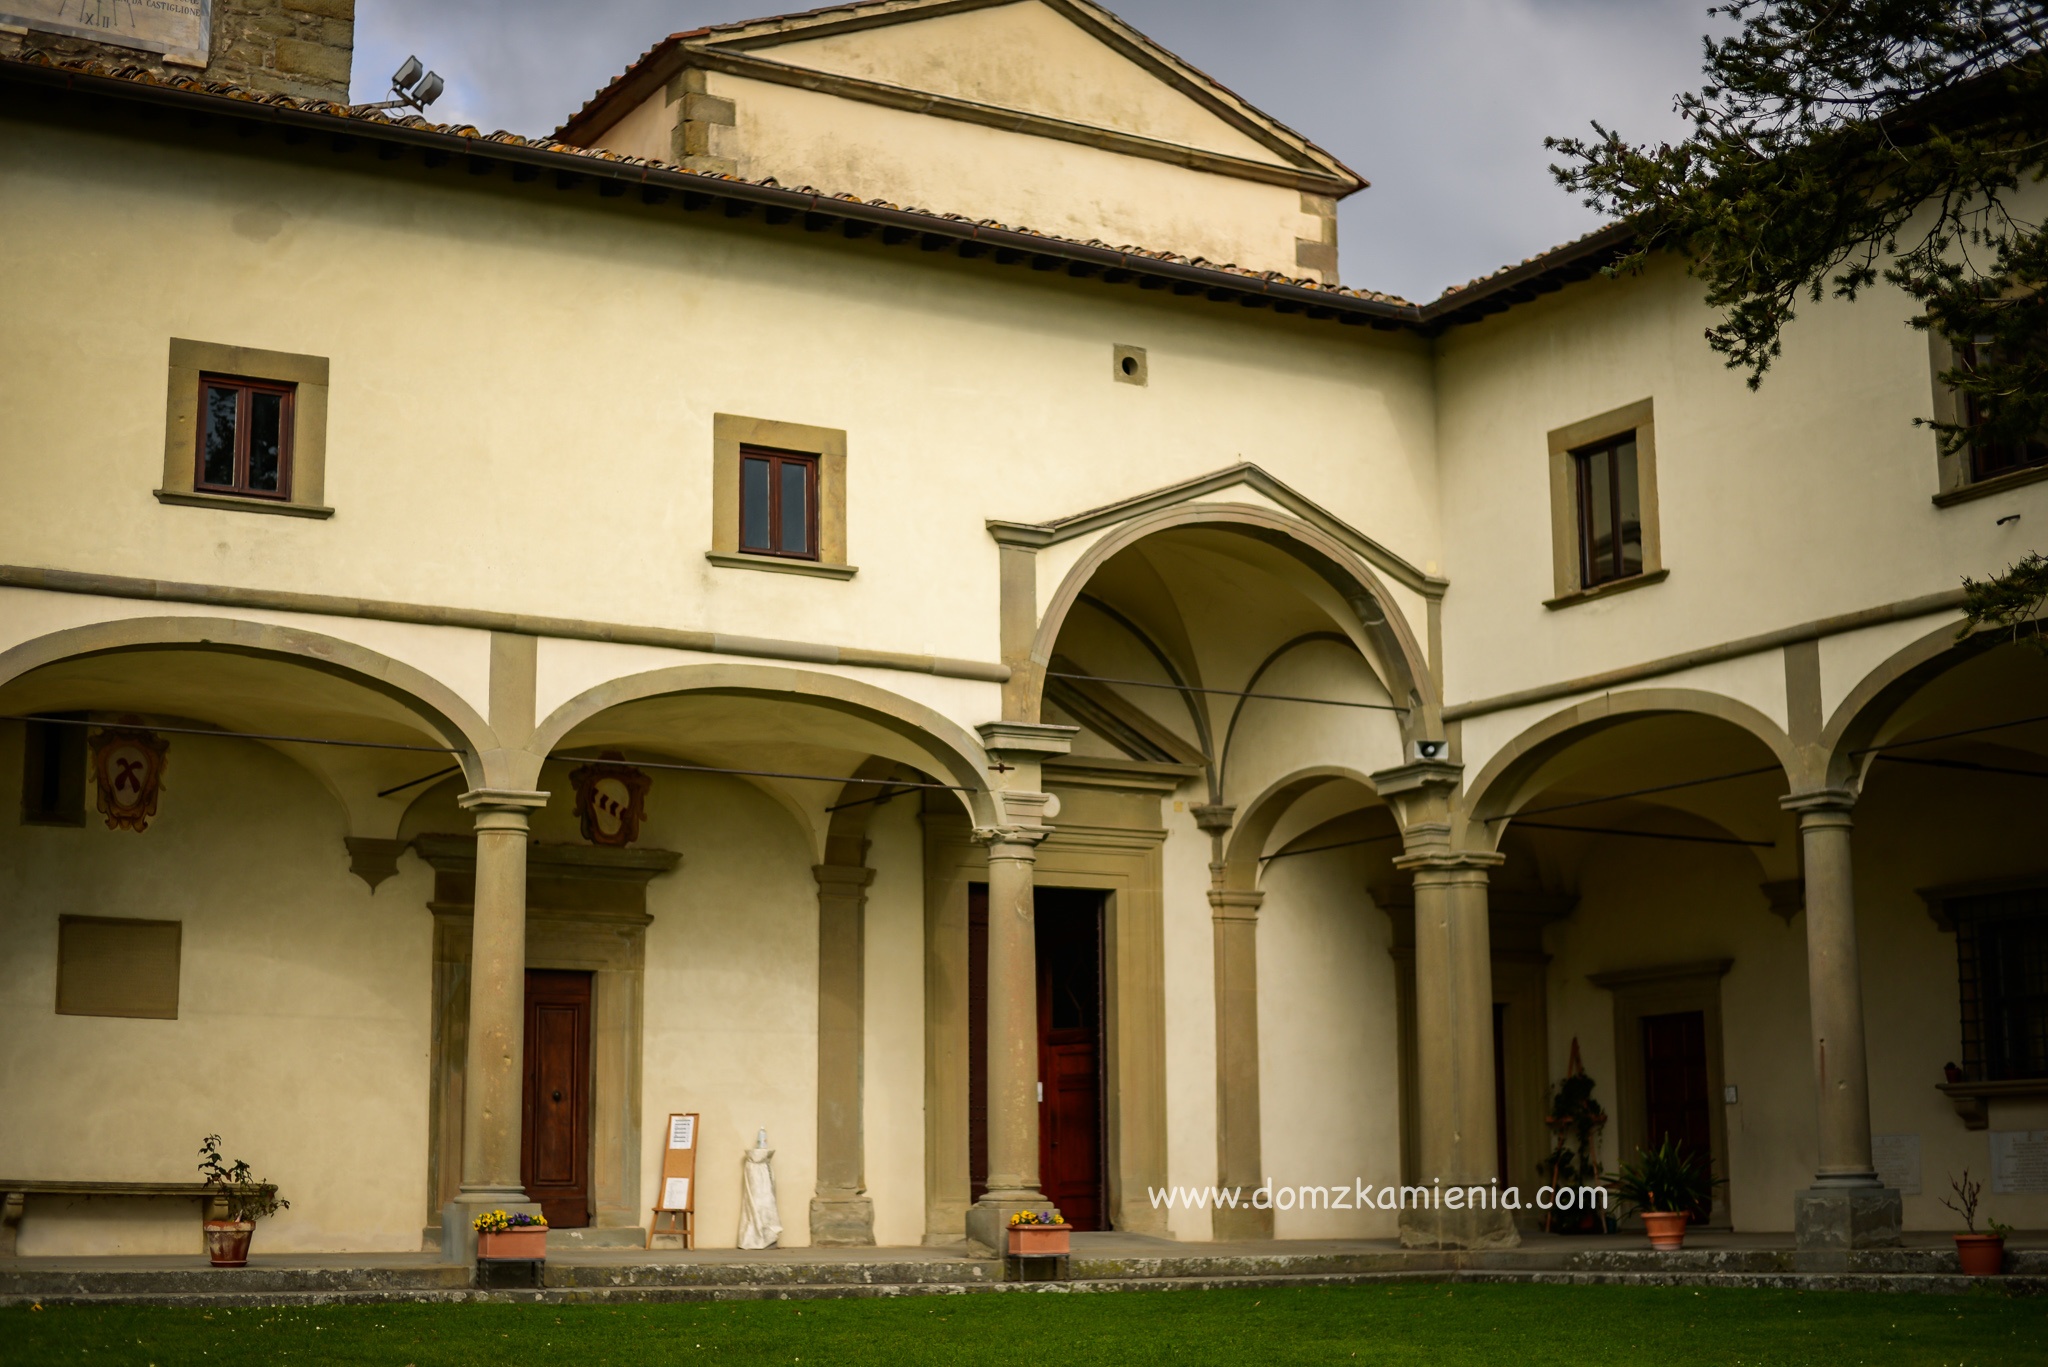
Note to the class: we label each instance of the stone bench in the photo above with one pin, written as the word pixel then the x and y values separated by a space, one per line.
pixel 14 1199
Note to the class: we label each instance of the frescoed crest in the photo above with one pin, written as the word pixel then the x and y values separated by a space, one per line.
pixel 128 771
pixel 611 800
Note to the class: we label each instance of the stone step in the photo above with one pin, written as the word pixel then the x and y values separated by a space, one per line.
pixel 877 1272
pixel 1942 1284
pixel 17 1284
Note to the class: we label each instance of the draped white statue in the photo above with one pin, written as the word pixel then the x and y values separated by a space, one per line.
pixel 760 1221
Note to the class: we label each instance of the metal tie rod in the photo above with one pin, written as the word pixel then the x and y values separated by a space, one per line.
pixel 757 773
pixel 240 735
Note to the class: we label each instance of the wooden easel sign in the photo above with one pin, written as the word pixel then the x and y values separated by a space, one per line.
pixel 678 1196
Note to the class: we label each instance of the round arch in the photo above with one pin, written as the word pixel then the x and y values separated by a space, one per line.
pixel 953 750
pixel 1379 628
pixel 436 704
pixel 1255 824
pixel 1862 716
pixel 1499 788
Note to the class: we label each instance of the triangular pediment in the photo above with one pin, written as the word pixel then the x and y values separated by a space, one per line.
pixel 1057 59
pixel 1063 68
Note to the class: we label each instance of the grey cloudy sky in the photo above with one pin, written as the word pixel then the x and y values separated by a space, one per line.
pixel 1441 104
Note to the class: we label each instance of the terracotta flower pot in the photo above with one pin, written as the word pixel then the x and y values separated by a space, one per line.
pixel 1982 1255
pixel 525 1245
pixel 1666 1228
pixel 227 1242
pixel 1040 1239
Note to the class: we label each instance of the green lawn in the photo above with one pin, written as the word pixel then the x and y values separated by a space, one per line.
pixel 1521 1325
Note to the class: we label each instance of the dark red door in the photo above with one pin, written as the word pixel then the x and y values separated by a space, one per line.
pixel 1069 945
pixel 554 1150
pixel 1675 1100
pixel 977 1040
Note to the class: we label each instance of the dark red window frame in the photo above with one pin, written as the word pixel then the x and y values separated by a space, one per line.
pixel 1596 568
pixel 775 542
pixel 239 483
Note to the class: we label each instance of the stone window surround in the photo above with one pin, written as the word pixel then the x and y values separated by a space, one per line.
pixel 1638 417
pixel 729 432
pixel 1660 990
pixel 307 374
pixel 1952 471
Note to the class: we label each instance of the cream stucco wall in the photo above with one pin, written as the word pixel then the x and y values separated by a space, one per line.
pixel 302 1029
pixel 597 341
pixel 1329 1063
pixel 892 1082
pixel 1807 498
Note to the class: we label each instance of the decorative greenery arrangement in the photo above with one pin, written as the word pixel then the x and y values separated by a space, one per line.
pixel 247 1198
pixel 1043 1217
pixel 1575 1121
pixel 1968 1194
pixel 498 1221
pixel 1836 145
pixel 1665 1178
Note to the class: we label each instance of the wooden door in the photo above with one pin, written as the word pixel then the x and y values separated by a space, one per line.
pixel 1675 1099
pixel 1069 945
pixel 554 1148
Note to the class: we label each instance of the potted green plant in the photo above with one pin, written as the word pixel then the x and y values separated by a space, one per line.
pixel 1981 1255
pixel 517 1236
pixel 244 1200
pixel 1665 1186
pixel 1040 1233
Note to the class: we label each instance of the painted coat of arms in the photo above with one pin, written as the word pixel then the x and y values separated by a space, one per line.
pixel 611 799
pixel 128 772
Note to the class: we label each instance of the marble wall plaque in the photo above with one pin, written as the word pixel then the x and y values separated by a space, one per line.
pixel 1897 1158
pixel 2019 1161
pixel 177 28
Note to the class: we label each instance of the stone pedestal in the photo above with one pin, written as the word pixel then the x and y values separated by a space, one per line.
pixel 842 1222
pixel 1838 1219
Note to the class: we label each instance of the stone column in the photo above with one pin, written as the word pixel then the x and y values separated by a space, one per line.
pixel 1455 1123
pixel 1847 1207
pixel 1234 917
pixel 842 1215
pixel 1234 927
pixel 1012 1036
pixel 494 1073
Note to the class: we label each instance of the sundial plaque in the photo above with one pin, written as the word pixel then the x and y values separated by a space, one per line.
pixel 179 29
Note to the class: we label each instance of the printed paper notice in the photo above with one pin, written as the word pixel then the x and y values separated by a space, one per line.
pixel 1897 1159
pixel 2019 1161
pixel 682 1131
pixel 676 1194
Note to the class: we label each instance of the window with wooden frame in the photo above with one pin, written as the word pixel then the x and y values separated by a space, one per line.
pixel 778 503
pixel 1988 460
pixel 1604 531
pixel 2002 972
pixel 245 430
pixel 245 437
pixel 1610 511
pixel 778 497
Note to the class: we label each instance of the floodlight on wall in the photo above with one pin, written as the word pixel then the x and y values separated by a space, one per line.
pixel 413 86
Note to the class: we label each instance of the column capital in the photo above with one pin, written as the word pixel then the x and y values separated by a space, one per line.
pixel 1031 740
pixel 501 799
pixel 846 879
pixel 1026 838
pixel 1213 817
pixel 1422 863
pixel 1820 802
pixel 1228 904
pixel 1418 776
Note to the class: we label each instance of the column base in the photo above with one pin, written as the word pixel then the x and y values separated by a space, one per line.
pixel 1837 1219
pixel 1441 1228
pixel 1242 1222
pixel 842 1222
pixel 458 1219
pixel 988 1219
